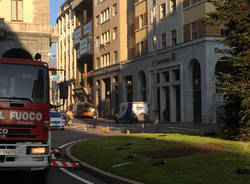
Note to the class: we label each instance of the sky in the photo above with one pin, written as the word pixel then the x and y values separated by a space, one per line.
pixel 54 9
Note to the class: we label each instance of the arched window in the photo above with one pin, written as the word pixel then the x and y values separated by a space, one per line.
pixel 17 53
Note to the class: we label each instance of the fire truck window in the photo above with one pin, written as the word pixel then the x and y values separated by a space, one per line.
pixel 38 92
pixel 23 83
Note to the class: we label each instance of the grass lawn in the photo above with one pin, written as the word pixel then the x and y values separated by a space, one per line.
pixel 168 158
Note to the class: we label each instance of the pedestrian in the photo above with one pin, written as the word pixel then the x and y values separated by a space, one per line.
pixel 69 117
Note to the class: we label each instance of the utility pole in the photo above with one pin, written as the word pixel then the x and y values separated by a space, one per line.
pixel 155 108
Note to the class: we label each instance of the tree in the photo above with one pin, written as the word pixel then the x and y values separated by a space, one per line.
pixel 235 84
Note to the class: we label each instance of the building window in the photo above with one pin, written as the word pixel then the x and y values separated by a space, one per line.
pixel 98 41
pixel 115 57
pixel 173 37
pixel 97 20
pixel 98 63
pixel 194 30
pixel 17 10
pixel 105 37
pixel 140 21
pixel 163 10
pixel 152 16
pixel 172 6
pixel 106 59
pixel 114 9
pixel 115 34
pixel 105 15
pixel 163 40
pixel 140 48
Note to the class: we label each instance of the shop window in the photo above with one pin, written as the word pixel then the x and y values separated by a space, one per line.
pixel 166 76
pixel 177 74
pixel 158 77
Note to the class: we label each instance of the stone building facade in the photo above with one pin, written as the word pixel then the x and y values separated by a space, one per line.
pixel 186 59
pixel 110 49
pixel 66 56
pixel 25 29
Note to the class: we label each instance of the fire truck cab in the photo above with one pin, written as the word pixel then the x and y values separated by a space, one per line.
pixel 25 140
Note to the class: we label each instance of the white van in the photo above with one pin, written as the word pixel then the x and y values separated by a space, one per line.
pixel 56 121
pixel 132 111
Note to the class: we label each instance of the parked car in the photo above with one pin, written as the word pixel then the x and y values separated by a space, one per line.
pixel 86 109
pixel 132 112
pixel 56 121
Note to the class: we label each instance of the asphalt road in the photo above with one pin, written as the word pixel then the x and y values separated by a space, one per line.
pixel 60 138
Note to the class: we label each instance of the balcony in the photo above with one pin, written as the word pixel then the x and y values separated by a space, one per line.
pixel 82 31
pixel 86 46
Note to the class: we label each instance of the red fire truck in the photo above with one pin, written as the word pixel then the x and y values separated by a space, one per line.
pixel 25 140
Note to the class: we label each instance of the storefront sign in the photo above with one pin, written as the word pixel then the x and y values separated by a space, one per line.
pixel 167 59
pixel 223 51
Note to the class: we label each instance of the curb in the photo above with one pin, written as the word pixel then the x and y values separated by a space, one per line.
pixel 111 178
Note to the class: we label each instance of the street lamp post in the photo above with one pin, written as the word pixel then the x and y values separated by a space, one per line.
pixel 155 108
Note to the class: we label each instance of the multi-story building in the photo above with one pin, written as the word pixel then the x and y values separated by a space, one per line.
pixel 185 59
pixel 135 39
pixel 83 45
pixel 66 56
pixel 25 29
pixel 110 49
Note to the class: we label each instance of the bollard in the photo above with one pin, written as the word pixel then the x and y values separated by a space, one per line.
pixel 85 128
pixel 107 128
pixel 94 123
pixel 142 126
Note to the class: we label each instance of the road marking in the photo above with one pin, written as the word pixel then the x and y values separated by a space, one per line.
pixel 75 176
pixel 70 173
pixel 64 145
